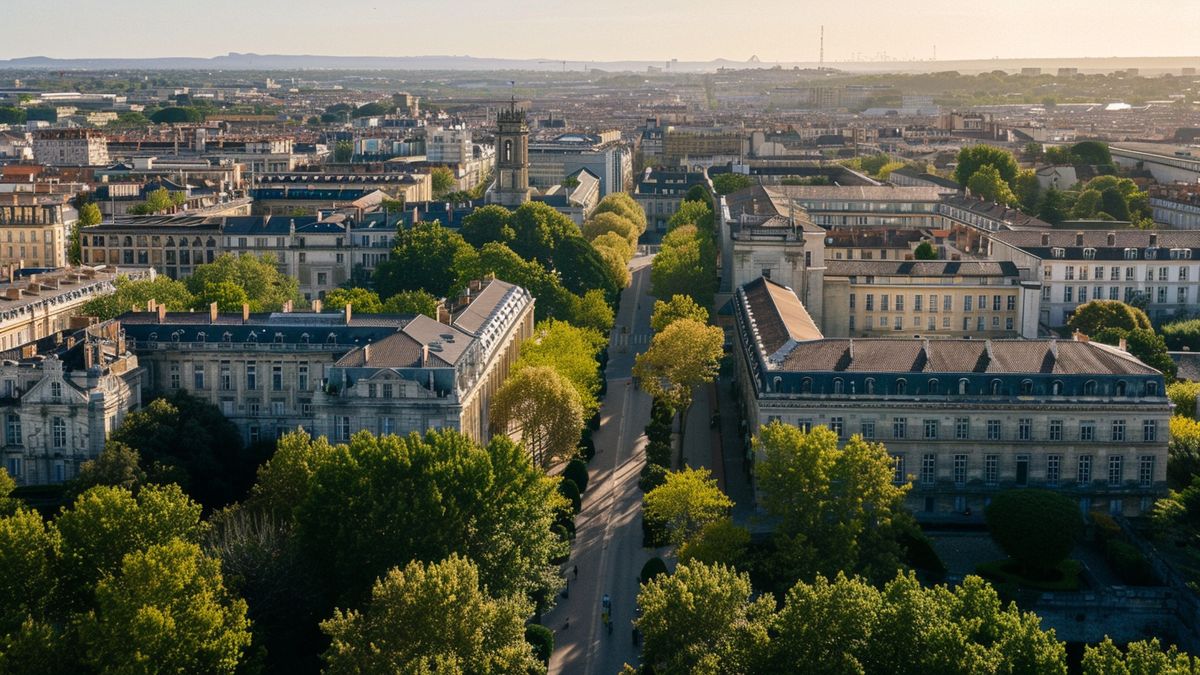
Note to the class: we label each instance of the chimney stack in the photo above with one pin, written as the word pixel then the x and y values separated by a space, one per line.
pixel 1123 345
pixel 316 306
pixel 162 312
pixel 349 313
pixel 212 313
pixel 443 314
pixel 424 355
pixel 366 353
pixel 1153 239
pixel 245 313
pixel 287 307
pixel 1079 337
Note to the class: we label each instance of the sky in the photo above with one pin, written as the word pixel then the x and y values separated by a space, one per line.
pixel 605 30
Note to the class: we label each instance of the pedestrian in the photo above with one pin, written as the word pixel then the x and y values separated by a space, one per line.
pixel 577 571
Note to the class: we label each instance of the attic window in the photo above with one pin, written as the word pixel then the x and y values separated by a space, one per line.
pixel 332 339
pixel 304 338
pixel 1131 254
pixel 1058 252
pixel 278 338
pixel 227 337
pixel 1089 253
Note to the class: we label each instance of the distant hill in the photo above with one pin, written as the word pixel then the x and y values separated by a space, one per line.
pixel 236 61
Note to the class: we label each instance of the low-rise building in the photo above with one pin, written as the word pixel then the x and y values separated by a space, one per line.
pixel 962 419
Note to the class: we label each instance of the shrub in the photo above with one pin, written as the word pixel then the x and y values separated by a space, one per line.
pixel 658 431
pixel 1036 528
pixel 587 447
pixel 653 568
pixel 1182 335
pixel 653 475
pixel 541 639
pixel 919 553
pixel 1183 394
pixel 1106 528
pixel 654 533
pixel 1128 563
pixel 577 472
pixel 568 489
pixel 658 453
pixel 593 422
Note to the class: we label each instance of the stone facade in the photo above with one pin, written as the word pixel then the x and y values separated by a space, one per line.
pixel 33 229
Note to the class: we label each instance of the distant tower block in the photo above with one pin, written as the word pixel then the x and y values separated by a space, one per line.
pixel 512 158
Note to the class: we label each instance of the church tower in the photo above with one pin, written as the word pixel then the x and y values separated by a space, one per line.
pixel 512 158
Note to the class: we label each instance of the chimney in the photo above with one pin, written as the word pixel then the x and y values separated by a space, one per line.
pixel 316 306
pixel 366 352
pixel 245 313
pixel 1045 239
pixel 1079 337
pixel 151 305
pixel 443 314
pixel 162 312
pixel 424 355
pixel 1123 345
pixel 349 313
pixel 212 313
pixel 88 357
pixel 287 307
pixel 1112 239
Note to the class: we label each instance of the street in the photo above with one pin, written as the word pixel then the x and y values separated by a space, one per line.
pixel 608 543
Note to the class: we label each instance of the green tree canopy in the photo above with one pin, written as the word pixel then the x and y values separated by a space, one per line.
pixel 361 300
pixel 678 307
pixel 693 213
pixel 987 184
pixel 553 301
pixel 538 230
pixel 487 224
pixel 685 265
pixel 266 288
pixel 157 201
pixel 1092 152
pixel 544 409
pixel 1053 207
pixel 611 222
pixel 837 510
pixel 433 617
pixel 686 503
pixel 412 302
pixel 89 214
pixel 623 205
pixel 973 158
pixel 571 351
pixel 925 251
pixel 1096 315
pixel 727 183
pixel 423 259
pixel 132 294
pixel 581 268
pixel 443 181
pixel 177 115
pixel 616 252
pixel 1037 528
pixel 118 465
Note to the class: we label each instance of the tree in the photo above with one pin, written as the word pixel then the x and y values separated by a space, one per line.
pixel 118 465
pixel 343 151
pixel 283 481
pixel 89 215
pixel 1096 315
pixel 177 115
pixel 693 213
pixel 1087 205
pixel 487 224
pixel 678 307
pixel 719 541
pixel 187 440
pixel 361 300
pixel 686 503
pixel 623 205
pixel 701 620
pixel 544 409
pixel 29 549
pixel 1144 344
pixel 422 259
pixel 1183 451
pixel 1141 657
pixel 973 158
pixel 227 295
pixel 727 183
pixel 698 193
pixel 1027 190
pixel 130 294
pixel 581 268
pixel 577 473
pixel 611 222
pixel 685 265
pixel 836 509
pixel 553 301
pixel 1183 394
pixel 682 357
pixel 541 639
pixel 616 253
pixel 433 617
pixel 382 501
pixel 571 352
pixel 442 181
pixel 12 115
pixel 265 287
pixel 925 251
pixel 538 230
pixel 412 302
pixel 592 311
pixel 989 185
pixel 8 503
pixel 1036 528
pixel 1092 152
pixel 1113 203
pixel 167 609
pixel 157 201
pixel 1054 207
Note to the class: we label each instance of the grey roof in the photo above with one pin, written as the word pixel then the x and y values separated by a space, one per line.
pixel 994 211
pixel 921 268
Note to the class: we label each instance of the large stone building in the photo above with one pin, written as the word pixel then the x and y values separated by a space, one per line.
pixel 660 191
pixel 70 147
pixel 963 418
pixel 37 305
pixel 34 228
pixel 603 154
pixel 337 373
pixel 511 188
pixel 60 397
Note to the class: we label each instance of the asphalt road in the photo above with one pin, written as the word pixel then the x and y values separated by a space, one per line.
pixel 608 542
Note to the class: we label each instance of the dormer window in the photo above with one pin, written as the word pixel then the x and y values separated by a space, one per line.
pixel 1089 253
pixel 1058 252
pixel 278 338
pixel 227 337
pixel 304 338
pixel 1131 254
pixel 56 390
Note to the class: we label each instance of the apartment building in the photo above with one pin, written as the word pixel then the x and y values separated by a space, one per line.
pixel 962 419
pixel 602 154
pixel 660 191
pixel 37 305
pixel 336 373
pixel 34 229
pixel 70 147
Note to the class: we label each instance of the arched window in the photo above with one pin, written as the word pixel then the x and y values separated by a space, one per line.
pixel 934 386
pixel 332 339
pixel 1152 389
pixel 838 385
pixel 870 385
pixel 278 338
pixel 508 151
pixel 901 386
pixel 252 337
pixel 806 385
pixel 170 241
pixel 212 243
pixel 201 336
pixel 1121 388
pixel 196 242
pixel 227 337
pixel 963 383
pixel 1056 388
pixel 153 336
pixel 996 387
pixel 1089 388
pixel 304 338
pixel 128 241
pixel 1026 387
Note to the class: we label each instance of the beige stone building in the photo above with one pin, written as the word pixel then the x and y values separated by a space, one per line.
pixel 34 229
pixel 963 419
pixel 36 306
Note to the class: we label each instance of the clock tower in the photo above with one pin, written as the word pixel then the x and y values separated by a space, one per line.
pixel 512 158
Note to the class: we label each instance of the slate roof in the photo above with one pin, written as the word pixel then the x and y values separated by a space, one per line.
pixel 921 268
pixel 778 314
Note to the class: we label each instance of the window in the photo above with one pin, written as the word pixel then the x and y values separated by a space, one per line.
pixel 967 302
pixel 1149 431
pixel 916 303
pixel 58 431
pixel 56 391
pixel 1089 388
pixel 371 390
pixel 1162 274
pixel 1118 430
pixel 931 429
pixel 198 376
pixel 867 429
pixel 899 427
pixel 387 390
pixel 1069 273
pixel 928 468
pixel 899 303
pixel 1053 470
pixel 870 385
pixel 387 425
pixel 995 303
pixel 343 428
pixel 1083 294
pixel 251 375
pixel 883 303
pixel 12 429
pixel 1024 429
pixel 277 377
pixel 933 386
pixel 1055 432
pixel 962 428
pixel 1116 470
pixel 15 466
pixel 901 386
pixel 1068 294
pixel 947 302
pixel 991 469
pixel 226 376
pixel 1022 470
pixel 1012 303
pixel 960 470
pixel 174 375
pixel 993 430
pixel 851 301
pixel 898 324
pixel 899 476
pixel 870 302
pixel 981 324
pixel 1162 294
pixel 1087 431
pixel 1083 471
pixel 1146 471
pixel 933 303
pixel 302 378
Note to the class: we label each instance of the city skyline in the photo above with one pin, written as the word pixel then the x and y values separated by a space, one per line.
pixel 696 31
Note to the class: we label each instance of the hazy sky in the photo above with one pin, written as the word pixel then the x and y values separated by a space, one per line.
pixel 774 30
